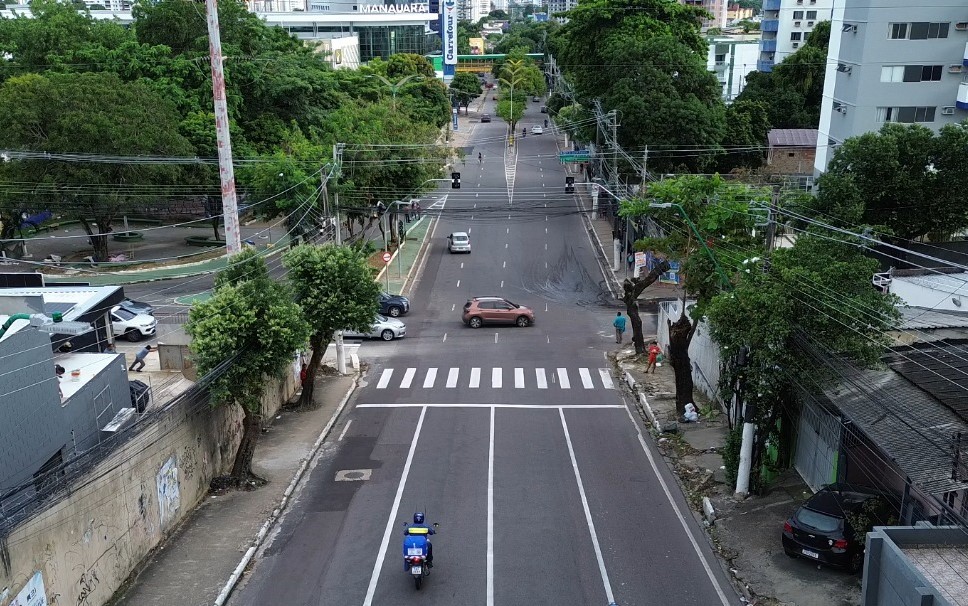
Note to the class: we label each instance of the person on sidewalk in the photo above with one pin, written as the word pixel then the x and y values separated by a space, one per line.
pixel 654 351
pixel 139 359
pixel 619 324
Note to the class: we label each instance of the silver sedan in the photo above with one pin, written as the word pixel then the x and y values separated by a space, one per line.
pixel 383 327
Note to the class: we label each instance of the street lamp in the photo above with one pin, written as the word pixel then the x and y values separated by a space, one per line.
pixel 394 88
pixel 695 230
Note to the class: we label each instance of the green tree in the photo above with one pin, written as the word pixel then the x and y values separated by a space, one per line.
pixel 89 114
pixel 252 324
pixel 498 15
pixel 465 87
pixel 334 285
pixel 401 65
pixel 706 220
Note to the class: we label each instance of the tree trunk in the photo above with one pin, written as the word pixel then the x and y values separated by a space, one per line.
pixel 251 428
pixel 680 336
pixel 319 343
pixel 215 227
pixel 99 240
pixel 632 288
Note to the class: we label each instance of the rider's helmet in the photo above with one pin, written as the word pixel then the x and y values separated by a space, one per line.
pixel 418 518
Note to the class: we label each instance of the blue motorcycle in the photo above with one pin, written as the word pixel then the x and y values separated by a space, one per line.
pixel 418 552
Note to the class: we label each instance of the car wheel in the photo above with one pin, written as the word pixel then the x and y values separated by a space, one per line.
pixel 394 311
pixel 476 322
pixel 387 335
pixel 523 321
pixel 133 335
pixel 856 563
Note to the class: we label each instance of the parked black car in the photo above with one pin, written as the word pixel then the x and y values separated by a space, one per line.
pixel 393 305
pixel 137 307
pixel 821 530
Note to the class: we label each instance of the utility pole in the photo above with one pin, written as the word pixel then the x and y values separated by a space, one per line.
pixel 749 408
pixel 615 149
pixel 645 168
pixel 230 208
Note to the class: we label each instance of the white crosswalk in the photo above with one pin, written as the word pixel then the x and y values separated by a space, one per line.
pixel 523 378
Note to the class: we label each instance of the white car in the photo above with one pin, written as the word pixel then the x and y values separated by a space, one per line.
pixel 383 327
pixel 537 130
pixel 132 326
pixel 459 242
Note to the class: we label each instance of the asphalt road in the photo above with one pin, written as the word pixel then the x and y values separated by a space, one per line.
pixel 516 440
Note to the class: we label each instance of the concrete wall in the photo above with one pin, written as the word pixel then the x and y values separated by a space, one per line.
pixel 86 544
pixel 891 578
pixel 703 351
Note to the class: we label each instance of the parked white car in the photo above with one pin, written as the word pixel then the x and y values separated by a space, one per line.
pixel 383 327
pixel 132 326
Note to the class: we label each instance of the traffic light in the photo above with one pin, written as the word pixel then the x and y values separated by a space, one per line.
pixel 569 185
pixel 455 180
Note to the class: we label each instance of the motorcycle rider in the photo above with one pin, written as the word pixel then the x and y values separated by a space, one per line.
pixel 418 522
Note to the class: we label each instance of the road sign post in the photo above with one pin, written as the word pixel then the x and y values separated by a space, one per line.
pixel 386 269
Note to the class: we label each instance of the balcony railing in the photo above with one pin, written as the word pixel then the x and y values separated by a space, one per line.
pixel 768 46
pixel 771 5
pixel 764 65
pixel 770 25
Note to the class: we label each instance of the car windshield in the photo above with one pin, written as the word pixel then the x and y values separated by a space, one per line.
pixel 816 520
pixel 380 318
pixel 384 296
pixel 460 238
pixel 124 314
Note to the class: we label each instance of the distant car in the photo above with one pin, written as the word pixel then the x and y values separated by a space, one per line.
pixel 535 99
pixel 383 327
pixel 820 530
pixel 131 326
pixel 459 242
pixel 544 109
pixel 393 305
pixel 537 130
pixel 137 307
pixel 495 310
pixel 485 117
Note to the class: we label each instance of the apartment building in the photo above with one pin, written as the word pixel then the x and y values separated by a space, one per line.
pixel 732 58
pixel 786 25
pixel 893 61
pixel 473 10
pixel 716 8
pixel 560 6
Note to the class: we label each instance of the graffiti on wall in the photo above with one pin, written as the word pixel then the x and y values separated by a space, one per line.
pixel 33 594
pixel 169 498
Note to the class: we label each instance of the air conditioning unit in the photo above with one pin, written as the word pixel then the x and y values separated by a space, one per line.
pixel 961 26
pixel 955 69
pixel 796 45
pixel 810 23
pixel 844 68
pixel 948 110
pixel 796 24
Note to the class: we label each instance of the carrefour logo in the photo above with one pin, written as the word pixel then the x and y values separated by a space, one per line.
pixel 450 32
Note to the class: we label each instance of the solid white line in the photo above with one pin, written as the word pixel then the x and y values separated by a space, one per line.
pixel 392 520
pixel 539 374
pixel 609 597
pixel 519 378
pixel 475 378
pixel 524 406
pixel 497 378
pixel 385 379
pixel 606 378
pixel 490 514
pixel 430 378
pixel 408 378
pixel 563 378
pixel 586 378
pixel 345 429
pixel 452 378
pixel 675 507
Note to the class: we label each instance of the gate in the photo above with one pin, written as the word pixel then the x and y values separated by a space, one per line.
pixel 818 442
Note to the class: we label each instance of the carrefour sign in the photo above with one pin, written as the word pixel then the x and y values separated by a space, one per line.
pixel 415 7
pixel 449 32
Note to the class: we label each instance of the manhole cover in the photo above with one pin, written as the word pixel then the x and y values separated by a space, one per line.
pixel 353 475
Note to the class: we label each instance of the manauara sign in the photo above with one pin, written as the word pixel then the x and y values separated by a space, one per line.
pixel 395 8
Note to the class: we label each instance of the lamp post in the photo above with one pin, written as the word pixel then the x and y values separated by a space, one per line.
pixel 394 88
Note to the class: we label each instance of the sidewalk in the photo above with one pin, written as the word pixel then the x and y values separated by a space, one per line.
pixel 193 566
pixel 405 261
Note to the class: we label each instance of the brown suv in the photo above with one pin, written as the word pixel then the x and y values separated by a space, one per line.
pixel 495 310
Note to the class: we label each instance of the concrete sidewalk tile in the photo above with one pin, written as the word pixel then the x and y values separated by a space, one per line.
pixel 192 567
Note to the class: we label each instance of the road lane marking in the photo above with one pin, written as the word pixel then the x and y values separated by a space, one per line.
pixel 490 513
pixel 563 378
pixel 385 379
pixel 509 230
pixel 430 378
pixel 495 337
pixel 546 246
pixel 452 378
pixel 606 378
pixel 345 429
pixel 609 596
pixel 675 508
pixel 539 374
pixel 505 245
pixel 458 284
pixel 496 378
pixel 502 283
pixel 392 520
pixel 475 378
pixel 586 378
pixel 453 306
pixel 524 406
pixel 504 265
pixel 519 378
pixel 546 230
pixel 444 340
pixel 546 307
pixel 469 230
pixel 408 378
pixel 462 267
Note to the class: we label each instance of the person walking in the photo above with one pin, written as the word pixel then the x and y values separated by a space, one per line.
pixel 653 351
pixel 619 324
pixel 480 158
pixel 139 359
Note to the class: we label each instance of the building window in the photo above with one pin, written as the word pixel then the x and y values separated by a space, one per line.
pixel 798 14
pixel 918 30
pixel 796 36
pixel 811 14
pixel 720 59
pixel 911 73
pixel 805 36
pixel 905 115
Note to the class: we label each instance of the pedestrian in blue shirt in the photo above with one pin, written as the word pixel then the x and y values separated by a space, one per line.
pixel 139 359
pixel 619 324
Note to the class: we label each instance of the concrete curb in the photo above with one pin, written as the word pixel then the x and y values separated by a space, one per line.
pixel 419 260
pixel 396 252
pixel 642 401
pixel 223 595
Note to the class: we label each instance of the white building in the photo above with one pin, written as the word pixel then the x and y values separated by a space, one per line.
pixel 926 288
pixel 731 58
pixel 343 52
pixel 893 61
pixel 786 25
pixel 560 6
pixel 473 10
pixel 111 5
